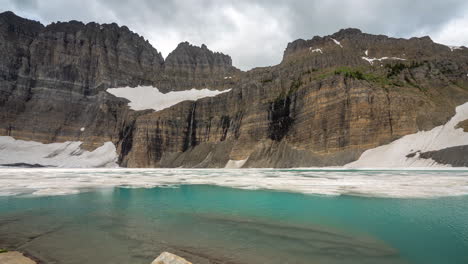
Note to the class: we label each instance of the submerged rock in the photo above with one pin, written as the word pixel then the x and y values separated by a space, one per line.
pixel 169 258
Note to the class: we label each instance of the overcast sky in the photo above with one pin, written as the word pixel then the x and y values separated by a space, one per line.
pixel 256 32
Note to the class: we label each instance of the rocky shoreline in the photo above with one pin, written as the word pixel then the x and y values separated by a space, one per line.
pixel 16 257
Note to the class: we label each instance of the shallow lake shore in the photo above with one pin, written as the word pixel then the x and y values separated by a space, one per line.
pixel 16 257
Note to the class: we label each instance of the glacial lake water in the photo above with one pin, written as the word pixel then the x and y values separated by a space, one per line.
pixel 246 216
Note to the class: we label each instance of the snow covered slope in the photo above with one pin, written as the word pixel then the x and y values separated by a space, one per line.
pixel 67 154
pixel 394 154
pixel 148 97
pixel 235 164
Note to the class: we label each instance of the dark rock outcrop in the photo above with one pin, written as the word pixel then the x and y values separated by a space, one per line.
pixel 454 156
pixel 322 105
pixel 463 125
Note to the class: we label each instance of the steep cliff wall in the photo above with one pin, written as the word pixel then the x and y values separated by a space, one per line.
pixel 53 78
pixel 330 99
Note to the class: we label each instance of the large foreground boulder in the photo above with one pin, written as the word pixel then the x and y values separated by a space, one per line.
pixel 169 258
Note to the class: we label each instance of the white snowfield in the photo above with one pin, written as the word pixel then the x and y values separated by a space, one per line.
pixel 315 50
pixel 337 42
pixel 452 48
pixel 371 60
pixel 235 164
pixel 66 155
pixel 394 154
pixel 148 97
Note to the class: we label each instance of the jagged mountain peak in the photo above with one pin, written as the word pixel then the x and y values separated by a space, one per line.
pixel 195 50
pixel 348 46
pixel 7 13
pixel 15 23
pixel 347 32
pixel 191 54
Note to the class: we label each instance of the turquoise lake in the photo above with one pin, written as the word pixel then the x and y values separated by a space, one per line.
pixel 212 224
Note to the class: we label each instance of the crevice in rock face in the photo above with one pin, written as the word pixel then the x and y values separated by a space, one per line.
pixel 225 124
pixel 126 137
pixel 390 120
pixel 155 143
pixel 191 134
pixel 237 124
pixel 280 119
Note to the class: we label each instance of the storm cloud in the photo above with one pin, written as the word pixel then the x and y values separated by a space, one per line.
pixel 256 32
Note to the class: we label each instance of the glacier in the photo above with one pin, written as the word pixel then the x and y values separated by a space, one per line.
pixel 148 97
pixel 65 155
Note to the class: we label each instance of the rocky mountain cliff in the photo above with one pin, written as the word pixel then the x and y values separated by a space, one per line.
pixel 189 66
pixel 330 99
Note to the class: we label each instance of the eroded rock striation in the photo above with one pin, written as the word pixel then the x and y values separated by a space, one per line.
pixel 330 99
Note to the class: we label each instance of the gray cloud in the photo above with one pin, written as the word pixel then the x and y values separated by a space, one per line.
pixel 255 32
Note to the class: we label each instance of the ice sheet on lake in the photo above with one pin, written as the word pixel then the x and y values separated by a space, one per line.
pixel 67 154
pixel 424 184
pixel 148 97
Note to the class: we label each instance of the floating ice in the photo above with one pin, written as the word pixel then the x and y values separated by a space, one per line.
pixel 383 183
pixel 67 154
pixel 394 154
pixel 148 97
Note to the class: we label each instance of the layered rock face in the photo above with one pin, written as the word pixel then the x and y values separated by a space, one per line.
pixel 330 99
pixel 54 77
pixel 316 108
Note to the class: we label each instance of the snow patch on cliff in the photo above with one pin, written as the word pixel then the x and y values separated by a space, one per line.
pixel 371 60
pixel 66 155
pixel 148 97
pixel 452 48
pixel 315 50
pixel 337 42
pixel 394 154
